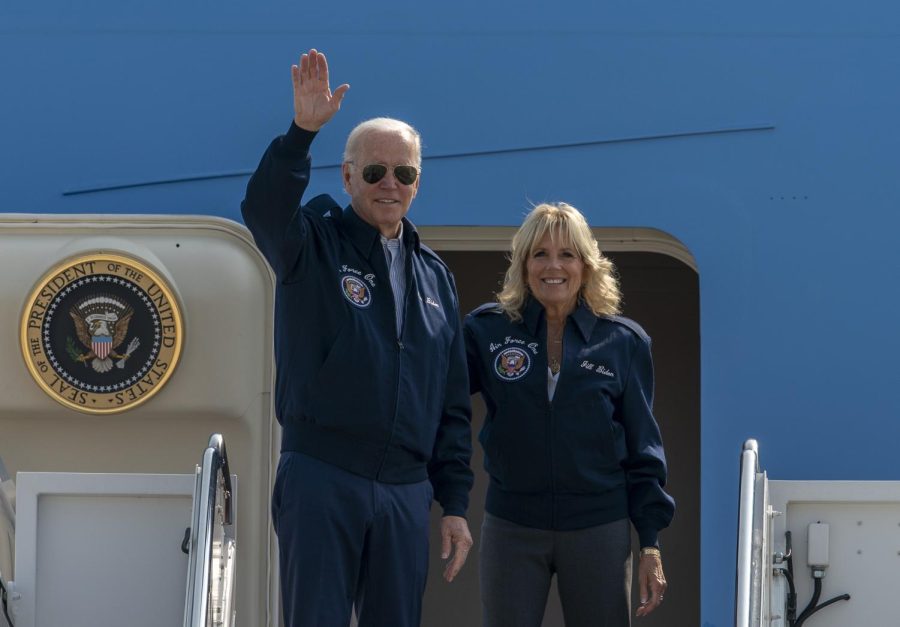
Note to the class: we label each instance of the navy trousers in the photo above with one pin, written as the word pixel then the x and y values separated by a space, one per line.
pixel 345 540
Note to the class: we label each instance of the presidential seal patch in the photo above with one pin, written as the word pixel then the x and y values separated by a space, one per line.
pixel 356 291
pixel 101 333
pixel 512 364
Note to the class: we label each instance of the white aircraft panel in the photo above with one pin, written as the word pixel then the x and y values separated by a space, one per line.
pixel 863 546
pixel 101 550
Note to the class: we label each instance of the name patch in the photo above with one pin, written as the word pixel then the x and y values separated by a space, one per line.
pixel 598 368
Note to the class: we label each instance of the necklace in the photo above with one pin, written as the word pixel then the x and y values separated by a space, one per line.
pixel 554 348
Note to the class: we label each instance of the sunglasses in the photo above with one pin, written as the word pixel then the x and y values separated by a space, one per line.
pixel 405 174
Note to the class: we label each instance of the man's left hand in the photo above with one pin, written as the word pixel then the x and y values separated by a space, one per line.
pixel 455 533
pixel 652 583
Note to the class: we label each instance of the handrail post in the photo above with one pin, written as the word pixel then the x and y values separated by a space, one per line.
pixel 217 442
pixel 743 594
pixel 215 461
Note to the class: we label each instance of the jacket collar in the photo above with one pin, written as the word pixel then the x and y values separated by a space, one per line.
pixel 364 236
pixel 582 316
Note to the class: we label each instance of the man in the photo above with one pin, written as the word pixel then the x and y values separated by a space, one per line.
pixel 372 388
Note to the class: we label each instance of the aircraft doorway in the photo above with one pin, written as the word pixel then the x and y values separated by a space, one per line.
pixel 661 292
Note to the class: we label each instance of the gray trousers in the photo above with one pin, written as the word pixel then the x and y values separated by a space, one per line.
pixel 592 568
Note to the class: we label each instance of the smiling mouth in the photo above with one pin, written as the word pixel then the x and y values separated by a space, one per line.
pixel 387 202
pixel 553 281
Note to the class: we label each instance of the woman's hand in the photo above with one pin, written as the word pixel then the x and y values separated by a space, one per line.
pixel 652 583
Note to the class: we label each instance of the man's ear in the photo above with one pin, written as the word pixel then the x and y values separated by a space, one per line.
pixel 345 176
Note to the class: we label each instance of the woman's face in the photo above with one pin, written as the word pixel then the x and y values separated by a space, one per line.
pixel 554 272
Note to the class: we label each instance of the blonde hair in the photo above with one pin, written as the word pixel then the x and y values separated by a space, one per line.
pixel 383 125
pixel 600 289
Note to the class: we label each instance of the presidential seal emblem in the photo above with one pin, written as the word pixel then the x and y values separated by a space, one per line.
pixel 512 364
pixel 101 333
pixel 356 291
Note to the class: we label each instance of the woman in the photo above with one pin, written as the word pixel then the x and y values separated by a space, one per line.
pixel 570 442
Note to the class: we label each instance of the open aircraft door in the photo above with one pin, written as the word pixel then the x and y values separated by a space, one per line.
pixel 124 342
pixel 815 553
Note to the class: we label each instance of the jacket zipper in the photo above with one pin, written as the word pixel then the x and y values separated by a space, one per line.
pixel 552 433
pixel 552 468
pixel 400 347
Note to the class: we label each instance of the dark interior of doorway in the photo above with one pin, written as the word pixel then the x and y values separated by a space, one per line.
pixel 662 294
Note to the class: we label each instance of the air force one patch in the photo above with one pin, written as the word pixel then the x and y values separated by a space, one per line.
pixel 511 364
pixel 101 333
pixel 356 291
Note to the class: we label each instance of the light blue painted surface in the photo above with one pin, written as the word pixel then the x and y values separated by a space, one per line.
pixel 793 228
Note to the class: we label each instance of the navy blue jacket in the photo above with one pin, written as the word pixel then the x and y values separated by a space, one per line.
pixel 348 390
pixel 591 456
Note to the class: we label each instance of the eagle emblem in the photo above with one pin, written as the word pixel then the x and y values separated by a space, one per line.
pixel 512 364
pixel 101 333
pixel 355 291
pixel 101 325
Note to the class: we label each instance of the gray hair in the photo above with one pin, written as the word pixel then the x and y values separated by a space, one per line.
pixel 388 125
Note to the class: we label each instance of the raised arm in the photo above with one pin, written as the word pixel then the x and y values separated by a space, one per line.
pixel 271 207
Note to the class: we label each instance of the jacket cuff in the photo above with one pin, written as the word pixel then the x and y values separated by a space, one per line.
pixel 455 507
pixel 648 535
pixel 297 139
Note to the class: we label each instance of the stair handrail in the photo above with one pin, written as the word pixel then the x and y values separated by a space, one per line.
pixel 214 465
pixel 747 505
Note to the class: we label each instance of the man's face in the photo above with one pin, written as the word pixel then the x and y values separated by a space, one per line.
pixel 384 203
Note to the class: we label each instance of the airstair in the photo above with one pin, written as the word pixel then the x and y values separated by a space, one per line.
pixel 114 549
pixel 815 553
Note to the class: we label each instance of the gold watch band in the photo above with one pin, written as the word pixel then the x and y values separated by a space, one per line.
pixel 650 550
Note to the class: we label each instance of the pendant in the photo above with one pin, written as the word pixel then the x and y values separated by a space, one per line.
pixel 554 365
